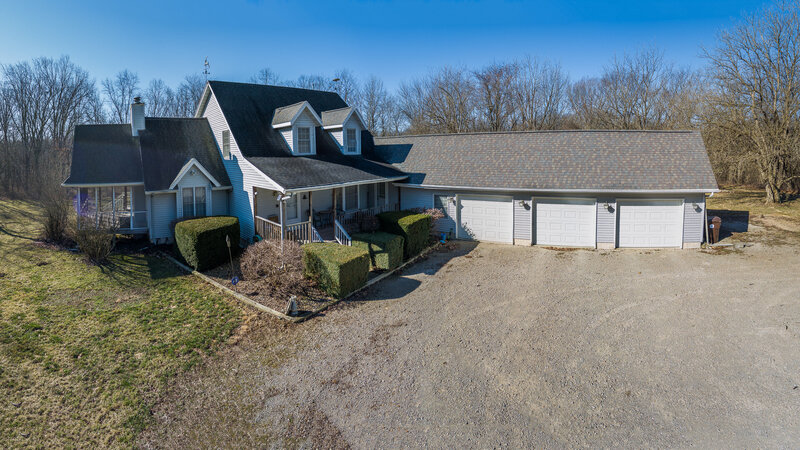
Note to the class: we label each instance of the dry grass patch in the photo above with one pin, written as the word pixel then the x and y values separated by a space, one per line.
pixel 86 350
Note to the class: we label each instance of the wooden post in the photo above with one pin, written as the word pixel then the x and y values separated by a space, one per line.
pixel 310 209
pixel 280 215
pixel 96 207
pixel 334 203
pixel 358 196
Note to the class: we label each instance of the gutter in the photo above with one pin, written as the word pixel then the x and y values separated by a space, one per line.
pixel 577 191
pixel 340 185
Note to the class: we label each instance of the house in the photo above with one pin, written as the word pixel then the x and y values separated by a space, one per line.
pixel 300 164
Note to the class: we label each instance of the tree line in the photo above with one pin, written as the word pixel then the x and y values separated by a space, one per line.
pixel 745 100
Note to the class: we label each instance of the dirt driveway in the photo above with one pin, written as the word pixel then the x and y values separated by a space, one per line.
pixel 520 346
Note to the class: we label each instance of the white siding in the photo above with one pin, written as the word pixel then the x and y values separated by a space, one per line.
pixel 139 204
pixel 242 174
pixel 192 181
pixel 288 134
pixel 338 135
pixel 163 209
pixel 423 198
pixel 693 219
pixel 220 203
pixel 523 217
pixel 305 120
pixel 606 220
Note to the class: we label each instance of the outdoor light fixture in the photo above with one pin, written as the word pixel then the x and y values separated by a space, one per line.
pixel 522 203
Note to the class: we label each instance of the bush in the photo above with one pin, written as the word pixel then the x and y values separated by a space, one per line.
pixel 414 228
pixel 201 242
pixel 337 269
pixel 56 215
pixel 96 243
pixel 385 249
pixel 263 264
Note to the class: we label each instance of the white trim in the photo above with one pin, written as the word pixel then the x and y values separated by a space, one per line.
pixel 222 188
pixel 186 168
pixel 87 185
pixel 554 191
pixel 339 185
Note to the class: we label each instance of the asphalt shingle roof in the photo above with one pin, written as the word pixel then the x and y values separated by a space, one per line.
pixel 286 113
pixel 335 117
pixel 104 154
pixel 249 111
pixel 552 160
pixel 168 144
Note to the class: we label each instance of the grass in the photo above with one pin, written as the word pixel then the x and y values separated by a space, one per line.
pixel 740 198
pixel 85 351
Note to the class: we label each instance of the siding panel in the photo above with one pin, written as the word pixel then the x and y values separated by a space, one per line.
pixel 220 203
pixel 164 209
pixel 242 174
pixel 693 219
pixel 606 221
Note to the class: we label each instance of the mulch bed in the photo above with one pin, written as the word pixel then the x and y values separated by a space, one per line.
pixel 262 294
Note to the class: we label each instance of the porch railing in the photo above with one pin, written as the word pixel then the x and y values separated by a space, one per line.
pixel 267 229
pixel 351 217
pixel 301 232
pixel 118 221
pixel 341 235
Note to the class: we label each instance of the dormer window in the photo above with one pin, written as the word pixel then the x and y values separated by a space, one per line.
pixel 351 141
pixel 303 140
pixel 297 124
pixel 344 126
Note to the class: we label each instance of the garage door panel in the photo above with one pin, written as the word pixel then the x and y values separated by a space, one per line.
pixel 650 223
pixel 565 222
pixel 487 218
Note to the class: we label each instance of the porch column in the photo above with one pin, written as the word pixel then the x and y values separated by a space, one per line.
pixel 310 208
pixel 375 195
pixel 333 192
pixel 344 198
pixel 96 207
pixel 113 205
pixel 458 214
pixel 358 196
pixel 280 214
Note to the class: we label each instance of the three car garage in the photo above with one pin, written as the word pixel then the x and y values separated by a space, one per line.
pixel 565 221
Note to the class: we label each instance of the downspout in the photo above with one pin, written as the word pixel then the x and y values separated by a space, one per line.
pixel 705 216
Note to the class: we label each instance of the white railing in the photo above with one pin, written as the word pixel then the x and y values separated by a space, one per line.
pixel 315 236
pixel 267 229
pixel 300 232
pixel 341 234
pixel 356 216
pixel 119 221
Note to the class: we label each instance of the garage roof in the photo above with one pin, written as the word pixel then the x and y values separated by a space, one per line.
pixel 552 160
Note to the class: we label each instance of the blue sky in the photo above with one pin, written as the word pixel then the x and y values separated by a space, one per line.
pixel 391 39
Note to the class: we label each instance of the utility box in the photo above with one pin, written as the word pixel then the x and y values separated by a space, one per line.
pixel 713 229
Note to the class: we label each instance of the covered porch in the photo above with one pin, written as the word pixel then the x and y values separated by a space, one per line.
pixel 121 208
pixel 319 215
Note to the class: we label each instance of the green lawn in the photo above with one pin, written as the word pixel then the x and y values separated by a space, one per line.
pixel 85 350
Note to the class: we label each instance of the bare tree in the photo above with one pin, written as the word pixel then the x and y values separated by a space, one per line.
pixel 316 82
pixel 159 99
pixel 188 95
pixel 540 91
pixel 70 90
pixel 345 84
pixel 119 91
pixel 756 74
pixel 496 95
pixel 266 76
pixel 450 100
pixel 373 105
pixel 412 105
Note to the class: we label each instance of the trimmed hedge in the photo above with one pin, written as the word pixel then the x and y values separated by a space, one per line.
pixel 385 249
pixel 337 269
pixel 414 228
pixel 201 241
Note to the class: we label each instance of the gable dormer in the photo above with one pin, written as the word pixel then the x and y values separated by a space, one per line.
pixel 297 124
pixel 344 125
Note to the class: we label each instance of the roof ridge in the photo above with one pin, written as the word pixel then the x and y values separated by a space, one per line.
pixel 272 86
pixel 473 133
pixel 293 104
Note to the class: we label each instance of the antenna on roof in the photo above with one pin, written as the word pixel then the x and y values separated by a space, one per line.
pixel 206 66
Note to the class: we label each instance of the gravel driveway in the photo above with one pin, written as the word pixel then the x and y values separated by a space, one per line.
pixel 521 346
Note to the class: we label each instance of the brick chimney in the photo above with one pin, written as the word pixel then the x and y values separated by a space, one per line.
pixel 137 116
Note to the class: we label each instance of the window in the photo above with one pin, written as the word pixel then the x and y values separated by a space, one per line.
pixel 350 141
pixel 194 201
pixel 226 144
pixel 304 140
pixel 440 202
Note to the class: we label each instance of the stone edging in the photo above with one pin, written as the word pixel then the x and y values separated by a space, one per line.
pixel 247 300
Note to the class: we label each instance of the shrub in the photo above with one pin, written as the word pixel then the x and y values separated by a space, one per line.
pixel 201 242
pixel 96 243
pixel 436 215
pixel 337 269
pixel 56 206
pixel 413 228
pixel 263 264
pixel 385 249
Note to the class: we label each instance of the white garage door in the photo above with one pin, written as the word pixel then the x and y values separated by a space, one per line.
pixel 487 218
pixel 650 223
pixel 566 222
